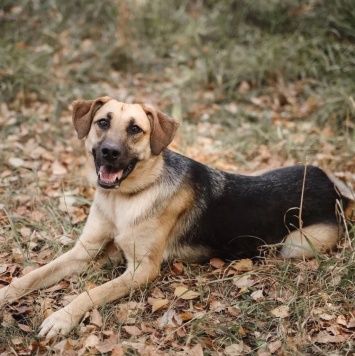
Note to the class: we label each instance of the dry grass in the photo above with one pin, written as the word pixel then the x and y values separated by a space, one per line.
pixel 255 85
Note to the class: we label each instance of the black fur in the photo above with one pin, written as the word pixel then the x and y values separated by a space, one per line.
pixel 233 215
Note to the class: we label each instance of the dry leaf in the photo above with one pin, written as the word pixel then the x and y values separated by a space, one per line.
pixel 133 330
pixel 26 328
pixel 178 268
pixel 184 293
pixel 351 323
pixel 341 320
pixel 91 341
pixel 217 306
pixel 274 346
pixel 107 345
pixel 233 311
pixel 282 311
pixel 244 265
pixel 244 281
pixel 170 318
pixel 185 316
pixel 58 169
pixel 95 318
pixel 258 295
pixel 196 351
pixel 234 349
pixel 216 263
pixel 323 338
pixel 158 304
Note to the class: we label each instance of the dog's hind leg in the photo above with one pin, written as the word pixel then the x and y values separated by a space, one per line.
pixel 93 239
pixel 309 241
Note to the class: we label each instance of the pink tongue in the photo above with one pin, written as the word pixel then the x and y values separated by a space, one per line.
pixel 107 175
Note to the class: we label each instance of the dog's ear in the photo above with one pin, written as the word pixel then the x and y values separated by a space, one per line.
pixel 83 113
pixel 163 128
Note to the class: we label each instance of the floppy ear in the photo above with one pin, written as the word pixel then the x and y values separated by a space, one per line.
pixel 163 128
pixel 83 113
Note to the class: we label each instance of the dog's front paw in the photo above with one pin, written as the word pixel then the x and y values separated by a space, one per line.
pixel 59 323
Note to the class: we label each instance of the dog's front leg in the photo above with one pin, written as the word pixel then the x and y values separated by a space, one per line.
pixel 94 237
pixel 143 265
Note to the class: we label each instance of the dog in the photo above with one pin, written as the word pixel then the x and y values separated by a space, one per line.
pixel 156 205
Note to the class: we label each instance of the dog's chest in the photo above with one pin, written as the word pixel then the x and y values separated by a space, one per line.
pixel 124 211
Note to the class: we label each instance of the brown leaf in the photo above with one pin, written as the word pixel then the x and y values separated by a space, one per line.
pixel 217 306
pixel 216 262
pixel 258 295
pixel 170 318
pixel 133 330
pixel 324 338
pixel 91 341
pixel 158 304
pixel 196 351
pixel 178 268
pixel 243 282
pixel 95 318
pixel 234 349
pixel 186 316
pixel 351 323
pixel 107 345
pixel 282 311
pixel 184 293
pixel 244 265
pixel 274 346
pixel 25 328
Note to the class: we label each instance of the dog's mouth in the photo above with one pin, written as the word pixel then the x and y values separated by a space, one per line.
pixel 110 177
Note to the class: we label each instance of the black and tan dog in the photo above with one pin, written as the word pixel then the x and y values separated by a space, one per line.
pixel 156 204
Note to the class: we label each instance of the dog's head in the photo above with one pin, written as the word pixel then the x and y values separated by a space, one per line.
pixel 121 138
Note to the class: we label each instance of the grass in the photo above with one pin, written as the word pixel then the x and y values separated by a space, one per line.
pixel 256 85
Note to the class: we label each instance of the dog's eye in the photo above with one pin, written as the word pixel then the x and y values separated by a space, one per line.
pixel 103 124
pixel 134 129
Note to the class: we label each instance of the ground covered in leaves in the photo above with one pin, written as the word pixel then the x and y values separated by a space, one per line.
pixel 255 87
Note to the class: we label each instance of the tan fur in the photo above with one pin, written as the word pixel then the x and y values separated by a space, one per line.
pixel 310 240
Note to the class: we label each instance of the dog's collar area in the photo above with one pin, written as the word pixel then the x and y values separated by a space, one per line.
pixel 109 177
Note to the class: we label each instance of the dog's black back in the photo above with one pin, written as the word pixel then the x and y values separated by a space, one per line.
pixel 234 214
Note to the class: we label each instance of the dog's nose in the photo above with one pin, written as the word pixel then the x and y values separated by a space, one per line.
pixel 110 153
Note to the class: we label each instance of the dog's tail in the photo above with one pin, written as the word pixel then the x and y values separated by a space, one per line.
pixel 347 194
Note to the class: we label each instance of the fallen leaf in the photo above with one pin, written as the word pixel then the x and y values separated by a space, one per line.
pixel 17 340
pixel 170 318
pixel 282 311
pixel 25 328
pixel 216 262
pixel 234 349
pixel 351 323
pixel 341 320
pixel 274 346
pixel 217 306
pixel 107 345
pixel 95 318
pixel 16 162
pixel 184 293
pixel 58 169
pixel 91 341
pixel 324 338
pixel 158 304
pixel 244 265
pixel 196 351
pixel 133 330
pixel 186 316
pixel 178 268
pixel 244 281
pixel 258 295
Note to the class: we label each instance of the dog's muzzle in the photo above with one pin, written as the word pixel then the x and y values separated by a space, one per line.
pixel 111 167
